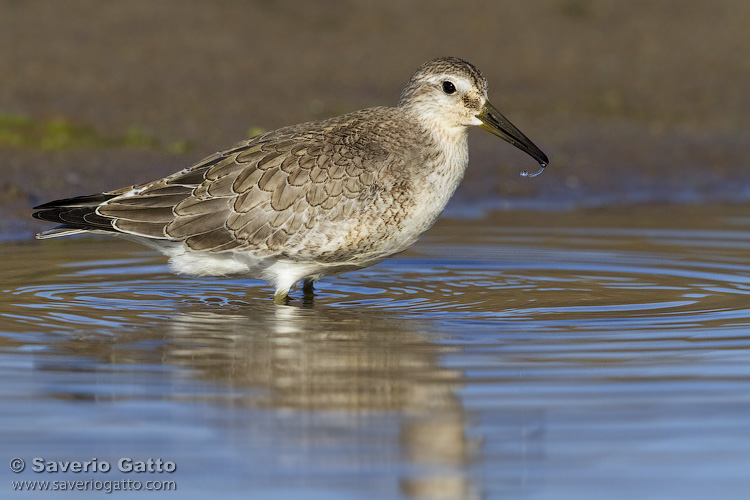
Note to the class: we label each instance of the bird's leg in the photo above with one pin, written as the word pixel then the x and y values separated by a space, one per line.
pixel 307 287
pixel 308 297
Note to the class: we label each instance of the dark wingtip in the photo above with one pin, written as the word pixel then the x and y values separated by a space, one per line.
pixel 78 212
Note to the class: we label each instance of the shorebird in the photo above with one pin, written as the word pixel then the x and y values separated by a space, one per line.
pixel 309 200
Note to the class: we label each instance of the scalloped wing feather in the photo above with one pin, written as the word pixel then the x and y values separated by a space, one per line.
pixel 276 193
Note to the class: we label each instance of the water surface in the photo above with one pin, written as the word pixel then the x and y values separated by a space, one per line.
pixel 580 354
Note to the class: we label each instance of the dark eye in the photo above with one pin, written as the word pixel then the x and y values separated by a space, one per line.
pixel 448 87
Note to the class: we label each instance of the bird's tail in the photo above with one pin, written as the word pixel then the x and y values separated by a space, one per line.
pixel 75 215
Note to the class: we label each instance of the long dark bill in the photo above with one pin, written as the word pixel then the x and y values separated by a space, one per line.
pixel 495 123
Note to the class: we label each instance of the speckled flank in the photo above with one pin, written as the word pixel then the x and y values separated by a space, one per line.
pixel 308 200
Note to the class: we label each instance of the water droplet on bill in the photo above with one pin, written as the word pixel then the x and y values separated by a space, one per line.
pixel 525 174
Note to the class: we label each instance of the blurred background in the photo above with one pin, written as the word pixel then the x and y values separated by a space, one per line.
pixel 634 102
pixel 583 335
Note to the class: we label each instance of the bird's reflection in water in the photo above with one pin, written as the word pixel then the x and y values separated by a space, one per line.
pixel 322 359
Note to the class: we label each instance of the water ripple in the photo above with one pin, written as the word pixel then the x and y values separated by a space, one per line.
pixel 541 352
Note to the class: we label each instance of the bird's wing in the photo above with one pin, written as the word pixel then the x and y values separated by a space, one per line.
pixel 258 195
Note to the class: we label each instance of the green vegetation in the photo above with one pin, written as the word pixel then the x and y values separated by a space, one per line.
pixel 255 131
pixel 19 131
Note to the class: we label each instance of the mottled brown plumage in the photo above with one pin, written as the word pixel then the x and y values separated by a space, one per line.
pixel 308 200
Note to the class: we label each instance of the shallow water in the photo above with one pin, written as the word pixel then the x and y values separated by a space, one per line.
pixel 600 354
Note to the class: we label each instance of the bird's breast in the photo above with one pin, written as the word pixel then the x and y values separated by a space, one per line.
pixel 416 198
pixel 439 176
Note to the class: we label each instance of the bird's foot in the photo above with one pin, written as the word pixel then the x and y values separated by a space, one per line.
pixel 281 297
